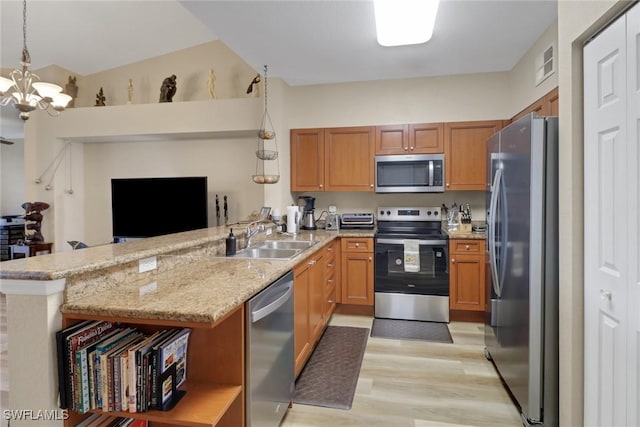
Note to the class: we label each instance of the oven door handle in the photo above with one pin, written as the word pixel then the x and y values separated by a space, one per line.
pixel 401 242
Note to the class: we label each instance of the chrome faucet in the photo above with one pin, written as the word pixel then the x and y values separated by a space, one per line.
pixel 252 232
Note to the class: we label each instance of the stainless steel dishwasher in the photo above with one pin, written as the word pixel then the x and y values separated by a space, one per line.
pixel 269 361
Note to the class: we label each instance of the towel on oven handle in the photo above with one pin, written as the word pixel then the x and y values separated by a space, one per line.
pixel 412 256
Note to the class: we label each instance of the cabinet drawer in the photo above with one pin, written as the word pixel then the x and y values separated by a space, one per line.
pixel 467 246
pixel 356 244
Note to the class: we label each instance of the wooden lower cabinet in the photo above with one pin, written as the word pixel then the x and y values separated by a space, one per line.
pixel 215 373
pixel 357 271
pixel 466 274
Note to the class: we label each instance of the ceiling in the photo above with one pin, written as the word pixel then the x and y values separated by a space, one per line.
pixel 303 42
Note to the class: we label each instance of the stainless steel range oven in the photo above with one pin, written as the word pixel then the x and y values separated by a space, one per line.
pixel 411 265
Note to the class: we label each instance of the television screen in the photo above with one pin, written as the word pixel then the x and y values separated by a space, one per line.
pixel 147 207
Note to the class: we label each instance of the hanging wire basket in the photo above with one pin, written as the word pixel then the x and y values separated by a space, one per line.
pixel 263 155
pixel 267 154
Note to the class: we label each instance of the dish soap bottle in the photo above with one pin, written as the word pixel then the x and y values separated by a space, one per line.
pixel 231 244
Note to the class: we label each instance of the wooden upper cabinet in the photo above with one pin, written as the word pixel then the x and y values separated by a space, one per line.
pixel 552 103
pixel 307 159
pixel 424 138
pixel 392 139
pixel 349 158
pixel 537 107
pixel 548 105
pixel 465 154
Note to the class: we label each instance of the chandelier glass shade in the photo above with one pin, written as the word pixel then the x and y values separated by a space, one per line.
pixel 25 90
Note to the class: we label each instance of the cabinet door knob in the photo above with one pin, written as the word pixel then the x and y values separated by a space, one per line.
pixel 453 260
pixel 330 301
pixel 411 148
pixel 330 281
pixel 370 259
pixel 321 185
pixel 357 245
pixel 448 184
pixel 406 148
pixel 371 185
pixel 313 262
pixel 605 295
pixel 330 265
pixel 466 246
pixel 330 249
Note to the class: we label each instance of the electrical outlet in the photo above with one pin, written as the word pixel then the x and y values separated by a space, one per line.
pixel 147 264
pixel 149 288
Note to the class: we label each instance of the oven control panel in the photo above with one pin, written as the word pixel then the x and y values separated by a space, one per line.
pixel 409 214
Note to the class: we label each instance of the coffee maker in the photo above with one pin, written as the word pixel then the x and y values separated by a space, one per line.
pixel 308 205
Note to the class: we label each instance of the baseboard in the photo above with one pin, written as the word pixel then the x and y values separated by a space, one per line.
pixel 466 316
pixel 358 310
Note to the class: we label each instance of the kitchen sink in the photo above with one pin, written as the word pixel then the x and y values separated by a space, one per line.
pixel 287 244
pixel 266 253
pixel 274 249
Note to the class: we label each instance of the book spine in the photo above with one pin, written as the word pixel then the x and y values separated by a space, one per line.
pixel 138 382
pixel 104 380
pixel 124 379
pixel 153 361
pixel 116 383
pixel 132 381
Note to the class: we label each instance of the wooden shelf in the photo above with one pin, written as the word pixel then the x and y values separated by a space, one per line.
pixel 203 405
pixel 215 374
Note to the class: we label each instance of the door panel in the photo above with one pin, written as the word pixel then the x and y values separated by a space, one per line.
pixel 633 221
pixel 606 231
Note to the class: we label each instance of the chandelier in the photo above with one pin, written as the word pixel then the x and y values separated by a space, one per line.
pixel 25 93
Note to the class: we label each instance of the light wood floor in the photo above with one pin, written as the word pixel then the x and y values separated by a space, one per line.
pixel 419 384
pixel 402 383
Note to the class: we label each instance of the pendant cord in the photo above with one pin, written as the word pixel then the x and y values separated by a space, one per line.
pixel 26 58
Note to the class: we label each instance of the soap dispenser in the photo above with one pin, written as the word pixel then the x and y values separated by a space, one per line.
pixel 231 244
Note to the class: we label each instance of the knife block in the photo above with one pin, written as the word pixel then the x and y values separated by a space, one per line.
pixel 464 228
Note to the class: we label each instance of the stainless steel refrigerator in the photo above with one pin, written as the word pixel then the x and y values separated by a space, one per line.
pixel 521 314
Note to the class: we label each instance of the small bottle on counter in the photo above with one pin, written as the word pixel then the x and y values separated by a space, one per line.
pixel 231 244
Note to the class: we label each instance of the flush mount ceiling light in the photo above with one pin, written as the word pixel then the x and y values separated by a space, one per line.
pixel 25 93
pixel 404 22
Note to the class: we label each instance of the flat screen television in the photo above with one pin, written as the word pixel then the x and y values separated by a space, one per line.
pixel 147 207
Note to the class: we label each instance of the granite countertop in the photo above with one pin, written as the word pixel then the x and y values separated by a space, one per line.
pixel 191 284
pixel 456 234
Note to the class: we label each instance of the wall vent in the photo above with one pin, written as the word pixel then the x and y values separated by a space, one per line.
pixel 545 64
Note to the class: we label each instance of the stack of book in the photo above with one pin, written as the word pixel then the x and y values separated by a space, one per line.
pixel 97 420
pixel 110 367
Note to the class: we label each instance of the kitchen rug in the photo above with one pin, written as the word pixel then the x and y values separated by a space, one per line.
pixel 411 330
pixel 330 376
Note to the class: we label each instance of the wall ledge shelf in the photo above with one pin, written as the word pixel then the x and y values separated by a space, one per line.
pixel 210 119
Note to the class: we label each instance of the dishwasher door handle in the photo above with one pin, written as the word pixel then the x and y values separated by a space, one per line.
pixel 262 312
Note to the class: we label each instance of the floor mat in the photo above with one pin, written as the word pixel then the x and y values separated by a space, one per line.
pixel 330 376
pixel 411 330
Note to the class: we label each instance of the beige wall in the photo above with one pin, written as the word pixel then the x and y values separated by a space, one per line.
pixel 577 21
pixel 522 77
pixel 12 178
pixel 191 67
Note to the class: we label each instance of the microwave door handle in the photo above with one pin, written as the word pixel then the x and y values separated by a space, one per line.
pixel 430 173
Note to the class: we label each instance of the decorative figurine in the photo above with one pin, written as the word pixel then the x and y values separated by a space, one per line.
pixel 72 90
pixel 34 217
pixel 253 86
pixel 130 92
pixel 211 84
pixel 100 98
pixel 168 89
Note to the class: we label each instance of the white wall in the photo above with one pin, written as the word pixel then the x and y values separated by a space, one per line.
pixel 228 164
pixel 12 178
pixel 577 21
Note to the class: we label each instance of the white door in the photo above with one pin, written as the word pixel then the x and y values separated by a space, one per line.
pixel 605 235
pixel 633 228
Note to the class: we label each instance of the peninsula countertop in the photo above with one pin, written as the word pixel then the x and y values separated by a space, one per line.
pixel 193 287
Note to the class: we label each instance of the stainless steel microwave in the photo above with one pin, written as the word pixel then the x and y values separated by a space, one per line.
pixel 410 173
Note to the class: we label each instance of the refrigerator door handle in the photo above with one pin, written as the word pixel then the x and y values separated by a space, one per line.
pixel 492 230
